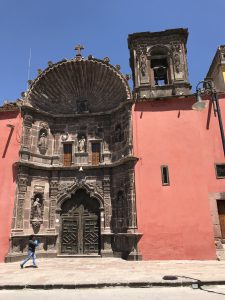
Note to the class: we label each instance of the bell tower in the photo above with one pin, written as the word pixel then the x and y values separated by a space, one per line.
pixel 159 63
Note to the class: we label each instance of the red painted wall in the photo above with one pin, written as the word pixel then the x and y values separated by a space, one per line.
pixel 175 220
pixel 9 151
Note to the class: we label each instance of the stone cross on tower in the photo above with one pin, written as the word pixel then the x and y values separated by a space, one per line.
pixel 78 48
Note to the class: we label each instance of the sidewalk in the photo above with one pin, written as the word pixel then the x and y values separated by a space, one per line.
pixel 102 272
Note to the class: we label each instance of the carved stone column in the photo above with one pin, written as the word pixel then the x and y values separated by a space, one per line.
pixel 53 195
pixel 56 147
pixel 26 141
pixel 107 203
pixel 107 234
pixel 22 181
pixel 130 135
pixel 132 214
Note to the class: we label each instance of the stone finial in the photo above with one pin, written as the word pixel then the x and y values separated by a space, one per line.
pixel 90 57
pixel 78 48
pixel 106 59
pixel 117 67
pixel 39 71
pixel 30 81
pixel 50 63
pixel 127 76
pixel 23 94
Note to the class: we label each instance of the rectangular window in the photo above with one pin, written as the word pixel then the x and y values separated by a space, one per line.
pixel 95 154
pixel 220 170
pixel 67 151
pixel 165 175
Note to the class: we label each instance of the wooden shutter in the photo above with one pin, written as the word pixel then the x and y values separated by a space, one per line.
pixel 67 154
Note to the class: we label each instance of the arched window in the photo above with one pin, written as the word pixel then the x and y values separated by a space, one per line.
pixel 160 66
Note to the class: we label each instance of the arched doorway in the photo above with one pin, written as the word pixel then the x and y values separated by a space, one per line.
pixel 80 225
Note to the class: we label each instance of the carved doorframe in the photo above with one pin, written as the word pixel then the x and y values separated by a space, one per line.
pixel 66 195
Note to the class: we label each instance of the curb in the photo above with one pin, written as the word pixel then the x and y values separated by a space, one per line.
pixel 114 285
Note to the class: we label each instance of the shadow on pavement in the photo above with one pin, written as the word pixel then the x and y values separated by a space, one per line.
pixel 197 281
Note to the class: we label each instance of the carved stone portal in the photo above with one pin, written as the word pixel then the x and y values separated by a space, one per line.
pixel 80 225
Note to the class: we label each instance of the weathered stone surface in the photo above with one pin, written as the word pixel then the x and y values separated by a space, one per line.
pixel 98 97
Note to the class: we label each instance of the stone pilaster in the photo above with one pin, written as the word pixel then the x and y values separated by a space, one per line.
pixel 132 215
pixel 53 186
pixel 22 182
pixel 107 203
pixel 27 124
pixel 107 234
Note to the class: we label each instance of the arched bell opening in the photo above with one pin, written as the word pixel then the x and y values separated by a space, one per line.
pixel 80 225
pixel 160 66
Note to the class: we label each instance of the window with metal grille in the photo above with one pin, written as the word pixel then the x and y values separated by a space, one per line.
pixel 165 175
pixel 220 170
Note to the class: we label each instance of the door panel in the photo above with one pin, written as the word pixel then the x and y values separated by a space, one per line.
pixel 70 236
pixel 91 235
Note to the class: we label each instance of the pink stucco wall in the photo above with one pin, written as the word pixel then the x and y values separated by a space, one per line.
pixel 175 220
pixel 9 151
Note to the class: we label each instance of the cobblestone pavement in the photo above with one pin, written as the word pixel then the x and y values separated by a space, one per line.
pixel 109 271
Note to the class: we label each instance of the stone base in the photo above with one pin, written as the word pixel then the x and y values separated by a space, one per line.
pixel 107 253
pixel 20 257
pixel 220 253
pixel 134 256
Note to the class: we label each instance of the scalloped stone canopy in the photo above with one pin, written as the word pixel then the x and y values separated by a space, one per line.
pixel 59 88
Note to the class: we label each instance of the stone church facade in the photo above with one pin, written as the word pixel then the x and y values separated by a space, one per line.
pixel 75 187
pixel 103 171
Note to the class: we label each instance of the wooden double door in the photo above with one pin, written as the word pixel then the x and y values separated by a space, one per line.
pixel 221 211
pixel 80 232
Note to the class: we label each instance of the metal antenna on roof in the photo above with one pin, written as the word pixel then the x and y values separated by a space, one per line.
pixel 28 73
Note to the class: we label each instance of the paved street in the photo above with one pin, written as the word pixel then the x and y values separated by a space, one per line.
pixel 212 293
pixel 109 271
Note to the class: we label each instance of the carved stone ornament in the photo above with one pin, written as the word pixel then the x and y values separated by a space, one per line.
pixel 36 226
pixel 176 50
pixel 65 136
pixel 44 125
pixel 143 63
pixel 28 120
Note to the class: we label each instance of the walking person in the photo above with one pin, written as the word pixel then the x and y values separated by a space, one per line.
pixel 31 251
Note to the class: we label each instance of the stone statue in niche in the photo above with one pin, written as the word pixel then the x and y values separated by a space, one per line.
pixel 43 141
pixel 82 144
pixel 36 209
pixel 36 212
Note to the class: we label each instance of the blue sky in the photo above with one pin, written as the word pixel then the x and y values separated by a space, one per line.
pixel 51 28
